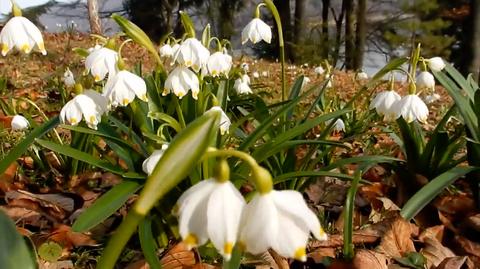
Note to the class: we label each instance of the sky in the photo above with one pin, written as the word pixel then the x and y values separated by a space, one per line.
pixel 6 5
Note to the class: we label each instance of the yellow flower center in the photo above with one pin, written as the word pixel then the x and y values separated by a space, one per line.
pixel 300 254
pixel 214 72
pixel 41 46
pixel 97 78
pixel 5 48
pixel 125 101
pixel 228 248
pixel 191 240
pixel 188 63
pixel 73 120
pixel 25 48
pixel 92 119
pixel 180 94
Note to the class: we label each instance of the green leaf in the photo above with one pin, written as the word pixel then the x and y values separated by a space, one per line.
pixel 187 24
pixel 105 206
pixel 171 121
pixel 14 252
pixel 23 146
pixel 50 251
pixel 362 159
pixel 288 176
pixel 428 192
pixel 147 242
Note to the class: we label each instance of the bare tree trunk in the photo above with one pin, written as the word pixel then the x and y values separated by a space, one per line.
pixel 325 39
pixel 361 35
pixel 349 36
pixel 299 21
pixel 338 35
pixel 474 67
pixel 95 25
pixel 227 11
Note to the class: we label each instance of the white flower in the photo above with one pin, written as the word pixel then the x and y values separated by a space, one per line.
pixel 224 120
pixel 338 126
pixel 265 74
pixel 180 81
pixel 425 80
pixel 280 220
pixel 255 31
pixel 101 61
pixel 383 103
pixel 211 209
pixel 245 67
pixel 431 98
pixel 436 64
pixel 22 34
pixel 149 164
pixel 255 74
pixel 90 105
pixel 68 78
pixel 241 85
pixel 362 76
pixel 305 81
pixel 411 108
pixel 122 88
pixel 19 123
pixel 166 51
pixel 219 63
pixel 175 48
pixel 192 53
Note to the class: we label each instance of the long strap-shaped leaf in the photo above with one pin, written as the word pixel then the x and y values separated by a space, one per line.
pixel 426 194
pixel 18 150
pixel 13 250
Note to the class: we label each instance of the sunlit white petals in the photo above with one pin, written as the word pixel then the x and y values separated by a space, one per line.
pixel 431 98
pixel 219 63
pixel 319 70
pixel 19 123
pixel 90 105
pixel 192 53
pixel 425 80
pixel 224 120
pixel 166 51
pixel 211 210
pixel 338 126
pixel 265 74
pixel 245 67
pixel 362 76
pixel 241 85
pixel 180 81
pixel 149 163
pixel 68 78
pixel 22 34
pixel 383 103
pixel 255 74
pixel 436 64
pixel 411 108
pixel 122 88
pixel 255 31
pixel 305 81
pixel 100 62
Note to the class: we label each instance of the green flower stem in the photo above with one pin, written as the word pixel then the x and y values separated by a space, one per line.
pixel 219 44
pixel 348 248
pixel 16 11
pixel 121 62
pixel 181 119
pixel 412 89
pixel 281 45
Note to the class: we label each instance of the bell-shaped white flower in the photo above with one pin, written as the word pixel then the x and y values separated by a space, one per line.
pixel 265 74
pixel 245 67
pixel 211 210
pixel 122 88
pixel 166 51
pixel 362 76
pixel 219 63
pixel 22 34
pixel 180 81
pixel 89 105
pixel 241 85
pixel 431 98
pixel 383 103
pixel 436 64
pixel 102 61
pixel 411 108
pixel 255 31
pixel 280 220
pixel 255 74
pixel 192 53
pixel 305 81
pixel 19 123
pixel 319 70
pixel 149 164
pixel 224 120
pixel 338 126
pixel 68 78
pixel 425 80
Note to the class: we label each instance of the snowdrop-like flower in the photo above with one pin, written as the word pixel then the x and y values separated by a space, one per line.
pixel 411 108
pixel 432 98
pixel 89 105
pixel 305 81
pixel 224 120
pixel 241 85
pixel 180 81
pixel 255 74
pixel 265 74
pixel 319 70
pixel 149 164
pixel 122 88
pixel 280 220
pixel 338 126
pixel 219 63
pixel 436 64
pixel 22 34
pixel 68 78
pixel 383 103
pixel 362 76
pixel 166 51
pixel 255 31
pixel 245 67
pixel 19 123
pixel 211 210
pixel 101 61
pixel 425 80
pixel 192 53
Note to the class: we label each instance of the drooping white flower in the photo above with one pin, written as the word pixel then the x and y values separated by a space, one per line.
pixel 241 85
pixel 211 210
pixel 319 70
pixel 255 74
pixel 166 51
pixel 245 67
pixel 436 64
pixel 100 62
pixel 383 103
pixel 431 98
pixel 192 53
pixel 362 76
pixel 22 34
pixel 425 80
pixel 224 120
pixel 89 105
pixel 255 31
pixel 180 81
pixel 19 123
pixel 219 63
pixel 280 220
pixel 122 88
pixel 265 74
pixel 338 126
pixel 149 163
pixel 411 108
pixel 68 78
pixel 305 81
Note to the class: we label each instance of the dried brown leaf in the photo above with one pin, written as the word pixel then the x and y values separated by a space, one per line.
pixel 435 232
pixel 318 254
pixel 369 259
pixel 178 257
pixel 64 235
pixel 396 240
pixel 468 246
pixel 434 252
pixel 452 262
